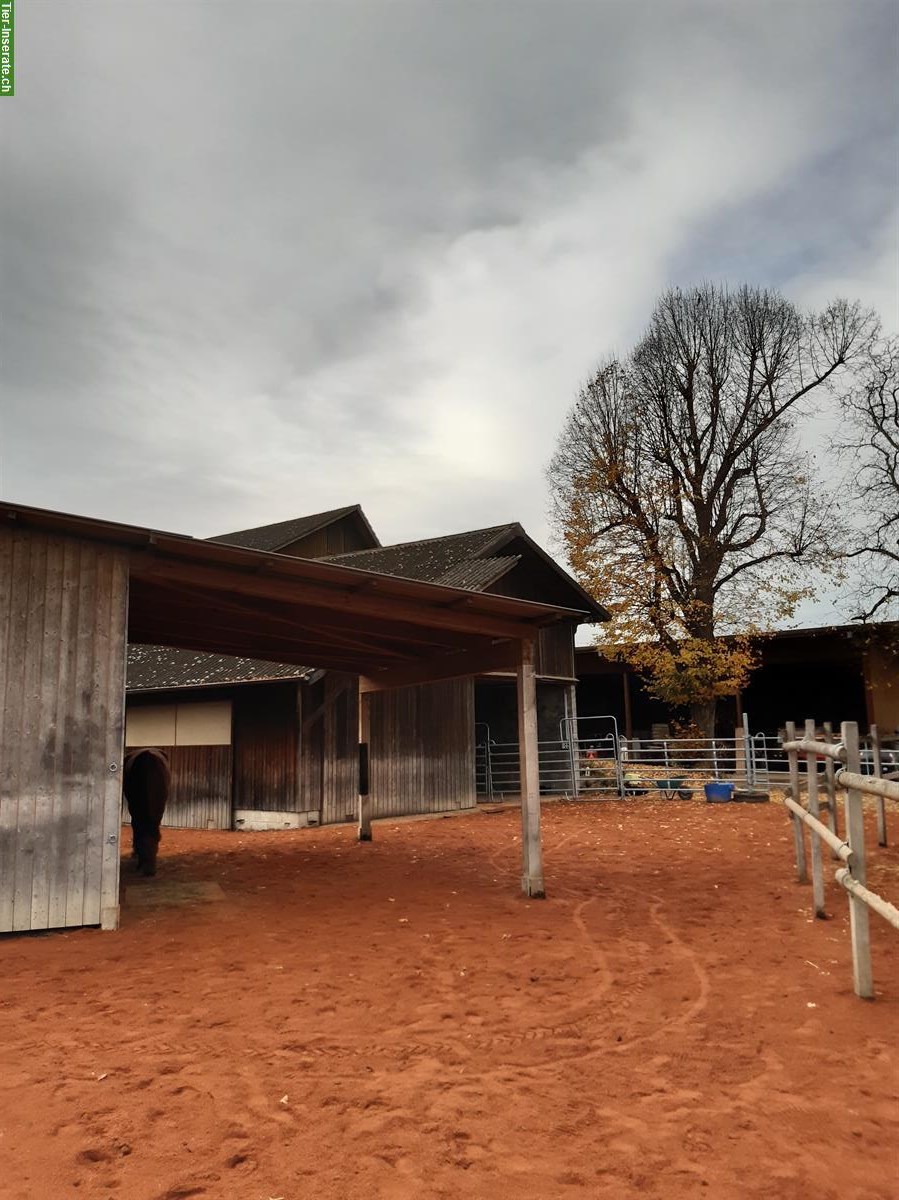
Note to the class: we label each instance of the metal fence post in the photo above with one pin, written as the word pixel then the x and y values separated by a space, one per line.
pixel 798 839
pixel 855 836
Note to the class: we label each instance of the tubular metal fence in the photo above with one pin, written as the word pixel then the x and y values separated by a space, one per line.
pixel 590 758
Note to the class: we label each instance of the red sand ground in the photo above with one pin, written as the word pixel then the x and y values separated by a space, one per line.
pixel 396 1021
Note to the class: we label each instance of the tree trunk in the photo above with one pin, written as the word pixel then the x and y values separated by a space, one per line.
pixel 702 715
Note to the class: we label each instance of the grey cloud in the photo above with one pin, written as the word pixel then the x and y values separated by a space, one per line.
pixel 270 258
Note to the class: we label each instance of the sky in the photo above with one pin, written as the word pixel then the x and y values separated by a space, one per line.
pixel 260 260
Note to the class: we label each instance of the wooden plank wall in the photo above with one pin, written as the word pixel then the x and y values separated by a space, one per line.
pixel 63 619
pixel 340 538
pixel 266 750
pixel 341 749
pixel 422 749
pixel 201 788
pixel 555 651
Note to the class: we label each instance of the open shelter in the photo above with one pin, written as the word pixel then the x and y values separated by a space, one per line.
pixel 74 591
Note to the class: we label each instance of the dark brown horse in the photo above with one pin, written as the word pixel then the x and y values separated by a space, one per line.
pixel 146 781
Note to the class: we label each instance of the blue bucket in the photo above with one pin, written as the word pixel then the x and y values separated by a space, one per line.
pixel 719 793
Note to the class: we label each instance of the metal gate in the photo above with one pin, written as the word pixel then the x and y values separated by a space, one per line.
pixel 591 758
pixel 583 760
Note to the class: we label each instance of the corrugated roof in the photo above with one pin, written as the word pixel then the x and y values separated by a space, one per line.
pixel 471 560
pixel 430 560
pixel 282 533
pixel 156 668
pixel 475 574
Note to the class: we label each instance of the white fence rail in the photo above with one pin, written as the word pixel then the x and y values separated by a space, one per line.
pixel 845 770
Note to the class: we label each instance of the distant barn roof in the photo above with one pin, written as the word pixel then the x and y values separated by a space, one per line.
pixel 283 533
pixel 155 668
pixel 446 560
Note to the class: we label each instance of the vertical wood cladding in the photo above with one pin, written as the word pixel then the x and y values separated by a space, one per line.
pixel 63 616
pixel 342 537
pixel 266 748
pixel 555 651
pixel 422 749
pixel 329 741
pixel 201 787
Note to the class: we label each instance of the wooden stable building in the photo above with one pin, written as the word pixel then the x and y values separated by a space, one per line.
pixel 75 592
pixel 839 672
pixel 259 745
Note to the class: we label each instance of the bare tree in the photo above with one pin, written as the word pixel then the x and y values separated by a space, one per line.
pixel 870 432
pixel 680 488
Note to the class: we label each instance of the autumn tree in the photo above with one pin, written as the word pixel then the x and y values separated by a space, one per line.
pixel 685 501
pixel 871 436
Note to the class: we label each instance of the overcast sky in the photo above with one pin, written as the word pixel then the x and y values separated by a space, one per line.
pixel 261 259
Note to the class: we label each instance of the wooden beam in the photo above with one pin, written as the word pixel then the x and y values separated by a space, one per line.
pixel 301 655
pixel 364 828
pixel 798 835
pixel 855 835
pixel 456 665
pixel 529 765
pixel 830 785
pixel 811 781
pixel 212 623
pixel 877 766
pixel 391 634
pixel 329 597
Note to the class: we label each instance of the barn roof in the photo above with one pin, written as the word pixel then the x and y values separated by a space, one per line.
pixel 157 668
pixel 222 599
pixel 430 559
pixel 284 533
pixel 474 560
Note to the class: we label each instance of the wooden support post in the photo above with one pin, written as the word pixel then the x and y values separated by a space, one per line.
pixel 855 836
pixel 811 767
pixel 798 836
pixel 628 714
pixel 831 786
pixel 880 802
pixel 531 845
pixel 364 830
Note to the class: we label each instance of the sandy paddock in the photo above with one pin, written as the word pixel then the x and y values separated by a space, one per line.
pixel 396 1021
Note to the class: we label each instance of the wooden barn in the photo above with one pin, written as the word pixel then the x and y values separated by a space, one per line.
pixel 259 745
pixel 74 592
pixel 839 672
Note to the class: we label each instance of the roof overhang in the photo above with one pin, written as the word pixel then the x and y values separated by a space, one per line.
pixel 199 595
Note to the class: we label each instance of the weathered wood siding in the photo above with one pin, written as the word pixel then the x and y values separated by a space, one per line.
pixel 555 651
pixel 330 747
pixel 201 788
pixel 266 748
pixel 422 749
pixel 63 618
pixel 340 538
pixel 341 749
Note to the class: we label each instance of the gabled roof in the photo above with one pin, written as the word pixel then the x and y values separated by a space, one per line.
pixel 284 533
pixel 219 599
pixel 157 668
pixel 472 560
pixel 431 559
pixel 476 574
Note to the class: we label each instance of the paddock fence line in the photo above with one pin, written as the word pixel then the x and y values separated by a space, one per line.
pixel 591 759
pixel 840 766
